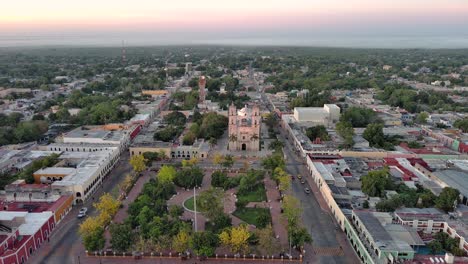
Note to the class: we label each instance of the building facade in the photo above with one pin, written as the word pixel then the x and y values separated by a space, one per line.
pixel 244 128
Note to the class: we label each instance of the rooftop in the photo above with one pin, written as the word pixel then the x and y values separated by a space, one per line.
pixel 32 221
pixel 89 163
pixel 55 171
pixel 374 223
pixel 454 178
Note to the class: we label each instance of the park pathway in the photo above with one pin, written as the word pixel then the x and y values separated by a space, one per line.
pixel 123 212
pixel 273 198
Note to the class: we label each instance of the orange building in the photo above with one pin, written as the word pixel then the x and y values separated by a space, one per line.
pixel 154 92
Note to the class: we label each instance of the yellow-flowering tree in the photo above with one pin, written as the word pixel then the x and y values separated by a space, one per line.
pixel 189 163
pixel 92 234
pixel 218 159
pixel 181 241
pixel 138 163
pixel 126 183
pixel 107 205
pixel 166 174
pixel 236 238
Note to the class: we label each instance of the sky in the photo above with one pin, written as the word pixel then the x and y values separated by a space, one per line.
pixel 439 23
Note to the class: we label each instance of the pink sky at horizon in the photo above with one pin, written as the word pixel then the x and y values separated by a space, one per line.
pixel 106 15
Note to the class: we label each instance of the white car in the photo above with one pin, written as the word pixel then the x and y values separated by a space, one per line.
pixel 82 212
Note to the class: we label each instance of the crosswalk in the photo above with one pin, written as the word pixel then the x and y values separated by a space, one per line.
pixel 328 251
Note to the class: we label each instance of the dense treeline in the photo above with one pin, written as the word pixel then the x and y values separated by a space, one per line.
pixel 13 130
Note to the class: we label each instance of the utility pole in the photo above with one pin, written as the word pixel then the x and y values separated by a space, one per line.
pixel 195 207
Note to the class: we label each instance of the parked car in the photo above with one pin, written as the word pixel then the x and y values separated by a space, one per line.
pixel 306 190
pixel 302 181
pixel 82 212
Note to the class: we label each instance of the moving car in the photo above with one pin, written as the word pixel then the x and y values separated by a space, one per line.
pixel 82 212
pixel 306 190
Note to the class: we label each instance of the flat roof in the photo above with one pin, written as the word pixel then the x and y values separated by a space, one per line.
pixel 32 221
pixel 381 236
pixel 454 178
pixel 409 214
pixel 56 170
pixel 89 164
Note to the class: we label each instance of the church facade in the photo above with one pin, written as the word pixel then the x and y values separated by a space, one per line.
pixel 244 128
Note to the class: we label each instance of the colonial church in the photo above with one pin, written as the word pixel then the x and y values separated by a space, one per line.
pixel 244 128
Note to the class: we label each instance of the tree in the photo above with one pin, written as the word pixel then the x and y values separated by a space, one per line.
pixel 319 131
pixel 374 134
pixel 447 199
pixel 254 137
pixel 220 222
pixel 107 205
pixel 212 141
pixel 283 179
pixel 189 177
pixel 213 125
pixel 138 163
pixel 181 241
pixel 204 243
pixel 232 138
pixel 267 242
pixel 249 182
pixel 236 238
pixel 175 118
pixel 175 211
pixel 276 145
pixel 462 124
pixel 228 161
pixel 92 234
pixel 435 247
pixel 210 202
pixel 121 237
pixel 346 131
pixel 422 117
pixel 189 163
pixel 292 209
pixel 217 159
pixel 94 241
pixel 374 183
pixel 126 183
pixel 299 236
pixel 220 179
pixel 166 174
pixel 273 161
pixel 263 220
pixel 360 117
pixel 188 139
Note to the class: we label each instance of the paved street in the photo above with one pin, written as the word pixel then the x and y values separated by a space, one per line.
pixel 325 233
pixel 65 245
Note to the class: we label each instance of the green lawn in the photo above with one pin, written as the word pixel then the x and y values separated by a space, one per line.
pixel 256 195
pixel 189 203
pixel 250 215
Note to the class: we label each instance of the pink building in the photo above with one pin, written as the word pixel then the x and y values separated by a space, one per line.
pixel 22 233
pixel 244 128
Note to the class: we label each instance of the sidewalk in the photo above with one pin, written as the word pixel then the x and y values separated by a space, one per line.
pixel 277 220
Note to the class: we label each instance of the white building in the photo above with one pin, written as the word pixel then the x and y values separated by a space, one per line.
pixel 86 172
pixel 328 115
pixel 115 135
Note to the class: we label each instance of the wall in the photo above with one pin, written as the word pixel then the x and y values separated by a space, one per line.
pixel 63 209
pixel 141 150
